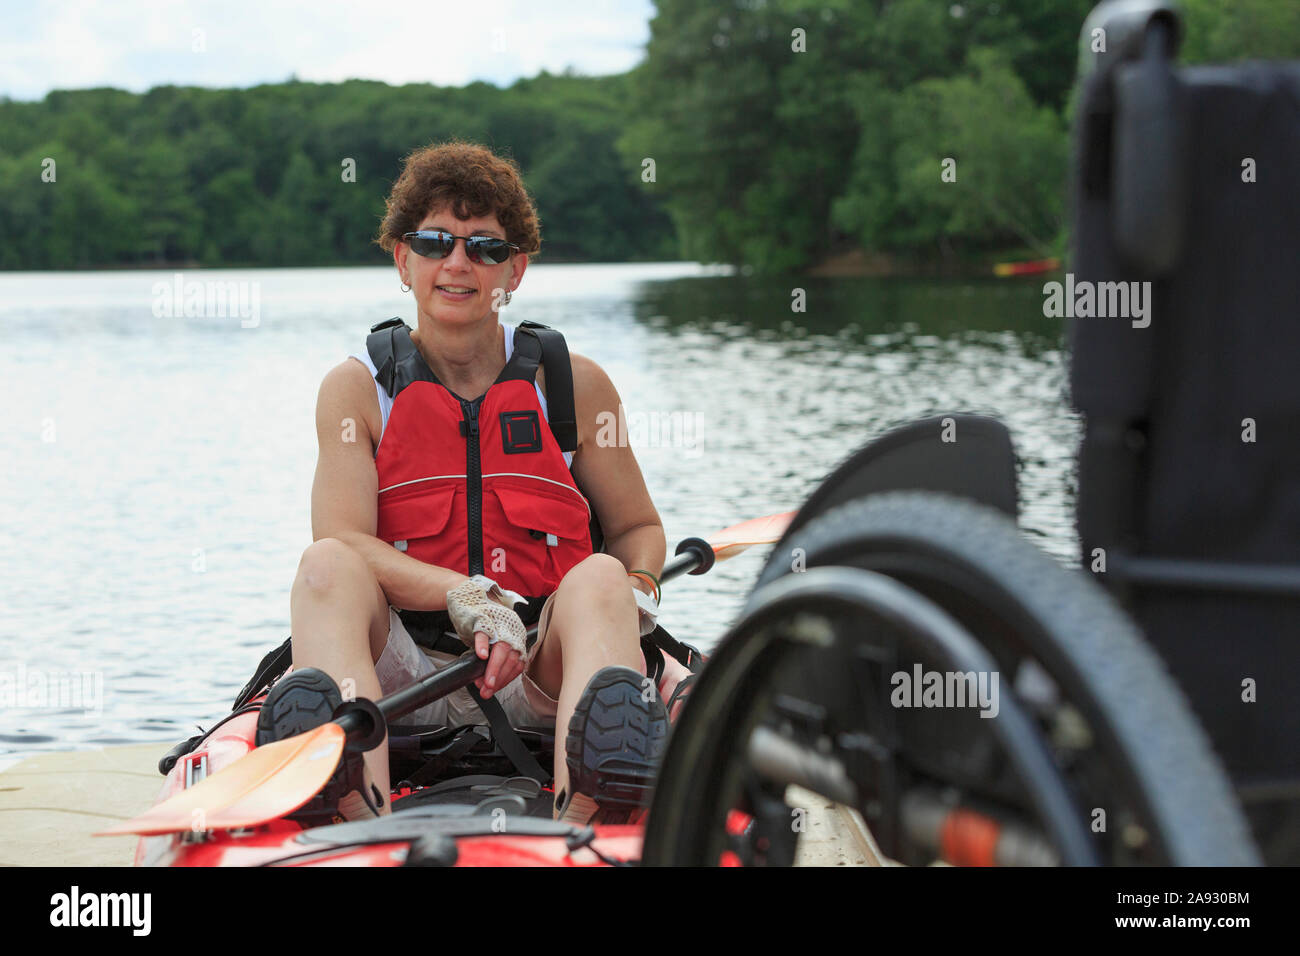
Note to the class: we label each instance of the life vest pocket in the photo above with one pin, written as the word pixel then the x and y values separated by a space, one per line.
pixel 551 529
pixel 557 512
pixel 414 513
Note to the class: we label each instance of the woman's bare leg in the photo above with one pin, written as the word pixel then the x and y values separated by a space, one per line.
pixel 339 620
pixel 593 625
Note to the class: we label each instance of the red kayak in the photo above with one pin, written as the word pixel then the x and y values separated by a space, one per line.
pixel 1032 268
pixel 460 797
pixel 490 827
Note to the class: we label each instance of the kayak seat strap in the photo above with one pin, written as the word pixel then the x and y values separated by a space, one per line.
pixel 654 659
pixel 681 691
pixel 507 739
pixel 436 769
pixel 170 758
pixel 684 654
pixel 275 663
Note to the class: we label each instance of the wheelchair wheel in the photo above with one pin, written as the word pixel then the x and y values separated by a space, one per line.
pixel 1086 752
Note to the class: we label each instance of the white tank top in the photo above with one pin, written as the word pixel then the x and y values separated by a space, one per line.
pixel 386 403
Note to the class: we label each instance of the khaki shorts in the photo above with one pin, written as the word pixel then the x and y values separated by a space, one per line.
pixel 404 662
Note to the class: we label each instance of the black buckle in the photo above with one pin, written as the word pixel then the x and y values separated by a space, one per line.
pixel 386 324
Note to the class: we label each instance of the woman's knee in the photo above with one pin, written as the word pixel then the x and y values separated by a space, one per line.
pixel 328 568
pixel 335 580
pixel 602 575
pixel 592 591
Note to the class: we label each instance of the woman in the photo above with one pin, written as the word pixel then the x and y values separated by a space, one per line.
pixel 468 503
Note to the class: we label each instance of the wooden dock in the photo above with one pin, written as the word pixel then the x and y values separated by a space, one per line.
pixel 51 803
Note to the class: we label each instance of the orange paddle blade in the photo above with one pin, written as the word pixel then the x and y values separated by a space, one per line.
pixel 267 783
pixel 765 530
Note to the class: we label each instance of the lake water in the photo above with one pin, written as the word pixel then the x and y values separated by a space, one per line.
pixel 155 490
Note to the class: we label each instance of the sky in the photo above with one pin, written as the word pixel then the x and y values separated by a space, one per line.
pixel 138 44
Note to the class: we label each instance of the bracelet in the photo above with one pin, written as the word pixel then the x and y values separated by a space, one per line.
pixel 654 581
pixel 653 578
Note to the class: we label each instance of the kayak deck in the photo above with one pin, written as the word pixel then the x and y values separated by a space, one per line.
pixel 51 803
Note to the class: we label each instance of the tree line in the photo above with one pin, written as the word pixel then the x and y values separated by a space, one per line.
pixel 767 133
pixel 787 130
pixel 296 173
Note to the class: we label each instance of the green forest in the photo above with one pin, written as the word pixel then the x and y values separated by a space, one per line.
pixel 764 133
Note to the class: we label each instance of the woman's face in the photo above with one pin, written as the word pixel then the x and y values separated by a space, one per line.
pixel 456 289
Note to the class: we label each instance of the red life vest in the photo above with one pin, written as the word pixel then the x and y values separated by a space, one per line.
pixel 481 486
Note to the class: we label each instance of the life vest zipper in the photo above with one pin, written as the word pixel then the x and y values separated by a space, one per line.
pixel 473 484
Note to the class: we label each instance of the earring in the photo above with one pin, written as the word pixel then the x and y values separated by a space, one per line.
pixel 405 287
pixel 505 300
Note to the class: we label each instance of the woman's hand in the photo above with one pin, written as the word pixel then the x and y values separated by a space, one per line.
pixel 483 615
pixel 504 664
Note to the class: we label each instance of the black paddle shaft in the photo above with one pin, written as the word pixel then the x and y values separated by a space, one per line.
pixel 693 556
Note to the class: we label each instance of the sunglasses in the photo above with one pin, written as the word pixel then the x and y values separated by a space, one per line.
pixel 437 244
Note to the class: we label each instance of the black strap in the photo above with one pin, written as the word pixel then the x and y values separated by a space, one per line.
pixel 466 782
pixel 381 348
pixel 684 654
pixel 435 767
pixel 682 689
pixel 561 412
pixel 525 358
pixel 654 659
pixel 170 758
pixel 397 361
pixel 275 663
pixel 560 409
pixel 507 739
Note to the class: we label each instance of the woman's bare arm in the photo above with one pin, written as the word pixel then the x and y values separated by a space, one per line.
pixel 611 478
pixel 344 495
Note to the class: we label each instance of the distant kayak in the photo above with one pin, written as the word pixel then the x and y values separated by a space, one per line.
pixel 1033 268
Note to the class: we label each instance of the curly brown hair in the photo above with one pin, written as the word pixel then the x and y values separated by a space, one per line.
pixel 470 177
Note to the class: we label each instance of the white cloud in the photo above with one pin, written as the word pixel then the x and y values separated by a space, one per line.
pixel 137 44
